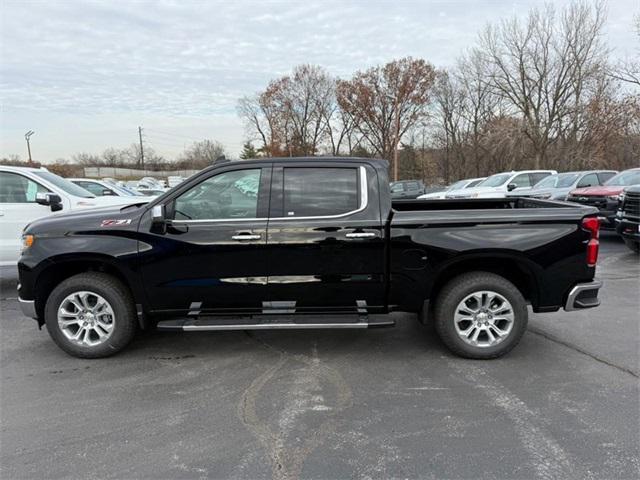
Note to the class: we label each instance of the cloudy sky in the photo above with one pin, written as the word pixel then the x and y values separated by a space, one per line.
pixel 85 74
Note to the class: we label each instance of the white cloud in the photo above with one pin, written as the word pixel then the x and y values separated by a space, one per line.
pixel 85 74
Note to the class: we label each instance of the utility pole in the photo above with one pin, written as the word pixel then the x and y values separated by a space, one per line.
pixel 141 147
pixel 27 136
pixel 396 141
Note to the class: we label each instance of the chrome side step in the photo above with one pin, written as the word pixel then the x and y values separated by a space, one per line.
pixel 218 324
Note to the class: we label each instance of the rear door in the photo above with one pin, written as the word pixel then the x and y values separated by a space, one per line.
pixel 325 238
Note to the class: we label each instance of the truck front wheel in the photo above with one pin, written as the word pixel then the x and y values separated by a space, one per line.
pixel 480 315
pixel 90 315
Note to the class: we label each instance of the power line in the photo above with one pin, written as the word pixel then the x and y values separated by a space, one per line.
pixel 164 142
pixel 160 132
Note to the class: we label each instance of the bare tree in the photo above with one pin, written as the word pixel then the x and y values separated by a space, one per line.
pixel 629 70
pixel 543 65
pixel 447 133
pixel 294 114
pixel 386 101
pixel 201 154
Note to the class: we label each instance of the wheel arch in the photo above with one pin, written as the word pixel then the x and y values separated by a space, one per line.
pixel 513 267
pixel 61 268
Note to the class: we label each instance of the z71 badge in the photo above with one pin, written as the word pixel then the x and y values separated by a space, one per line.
pixel 115 223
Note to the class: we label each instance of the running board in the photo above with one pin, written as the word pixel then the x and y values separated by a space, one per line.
pixel 248 323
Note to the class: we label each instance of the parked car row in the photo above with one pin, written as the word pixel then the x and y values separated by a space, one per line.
pixel 615 194
pixel 628 217
pixel 27 194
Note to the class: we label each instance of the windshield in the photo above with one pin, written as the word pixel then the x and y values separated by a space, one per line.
pixel 64 184
pixel 127 191
pixel 623 179
pixel 562 180
pixel 457 186
pixel 495 180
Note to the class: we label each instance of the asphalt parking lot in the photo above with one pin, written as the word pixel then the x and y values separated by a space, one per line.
pixel 332 404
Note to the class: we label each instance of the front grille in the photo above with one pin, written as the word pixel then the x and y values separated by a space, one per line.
pixel 631 205
pixel 592 201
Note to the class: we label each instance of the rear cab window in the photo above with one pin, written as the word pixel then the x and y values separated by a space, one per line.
pixel 320 191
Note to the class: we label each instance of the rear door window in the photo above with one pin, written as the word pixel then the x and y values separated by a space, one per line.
pixel 316 192
pixel 521 180
pixel 92 187
pixel 536 177
pixel 589 180
pixel 604 176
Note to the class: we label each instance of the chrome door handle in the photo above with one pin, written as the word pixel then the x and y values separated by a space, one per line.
pixel 360 235
pixel 246 236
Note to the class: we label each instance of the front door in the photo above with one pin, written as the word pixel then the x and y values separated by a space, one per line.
pixel 18 207
pixel 211 256
pixel 326 245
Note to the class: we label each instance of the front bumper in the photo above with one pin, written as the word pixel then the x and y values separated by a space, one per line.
pixel 28 308
pixel 607 208
pixel 628 229
pixel 583 295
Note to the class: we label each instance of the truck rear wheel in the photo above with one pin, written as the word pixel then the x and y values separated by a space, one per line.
pixel 90 315
pixel 480 315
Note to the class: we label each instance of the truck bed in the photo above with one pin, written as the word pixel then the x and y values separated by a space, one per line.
pixel 478 204
pixel 494 209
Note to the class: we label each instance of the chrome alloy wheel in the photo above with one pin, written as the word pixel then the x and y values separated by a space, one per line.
pixel 86 318
pixel 484 319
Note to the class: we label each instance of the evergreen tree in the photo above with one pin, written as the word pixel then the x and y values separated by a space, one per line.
pixel 248 151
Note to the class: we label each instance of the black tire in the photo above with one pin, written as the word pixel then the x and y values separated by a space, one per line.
pixel 458 289
pixel 120 300
pixel 633 246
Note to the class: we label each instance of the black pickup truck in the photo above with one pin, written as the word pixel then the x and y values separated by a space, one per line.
pixel 306 243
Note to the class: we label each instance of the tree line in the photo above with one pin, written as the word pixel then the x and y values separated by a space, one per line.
pixel 537 92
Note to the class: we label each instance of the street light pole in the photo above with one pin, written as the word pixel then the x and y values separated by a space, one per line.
pixel 27 136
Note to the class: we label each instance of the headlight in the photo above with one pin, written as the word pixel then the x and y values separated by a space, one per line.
pixel 621 197
pixel 27 241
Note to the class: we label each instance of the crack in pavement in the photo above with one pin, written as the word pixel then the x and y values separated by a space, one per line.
pixel 593 356
pixel 304 397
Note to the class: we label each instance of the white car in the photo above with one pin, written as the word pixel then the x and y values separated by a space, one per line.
pixel 153 182
pixel 27 194
pixel 459 185
pixel 174 180
pixel 498 185
pixel 102 188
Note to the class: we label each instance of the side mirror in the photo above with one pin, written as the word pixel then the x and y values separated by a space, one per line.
pixel 512 186
pixel 49 199
pixel 107 192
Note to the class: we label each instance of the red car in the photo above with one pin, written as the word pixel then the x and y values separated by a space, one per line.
pixel 605 197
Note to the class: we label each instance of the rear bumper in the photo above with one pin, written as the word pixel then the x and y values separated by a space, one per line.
pixel 583 295
pixel 28 308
